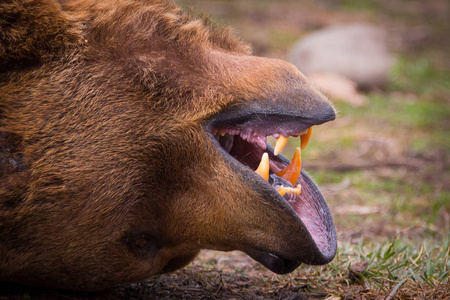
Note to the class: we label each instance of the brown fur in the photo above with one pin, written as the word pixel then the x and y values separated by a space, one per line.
pixel 101 137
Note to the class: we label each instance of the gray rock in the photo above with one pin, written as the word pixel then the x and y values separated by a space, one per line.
pixel 357 51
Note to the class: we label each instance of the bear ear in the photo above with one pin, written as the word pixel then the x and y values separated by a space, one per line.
pixel 33 32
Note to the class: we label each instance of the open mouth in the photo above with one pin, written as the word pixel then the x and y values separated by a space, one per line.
pixel 242 141
pixel 249 146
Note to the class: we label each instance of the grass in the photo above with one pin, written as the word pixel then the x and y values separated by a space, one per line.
pixel 388 264
pixel 419 75
pixel 363 5
pixel 396 265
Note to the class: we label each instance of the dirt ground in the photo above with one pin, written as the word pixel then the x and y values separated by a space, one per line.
pixel 383 168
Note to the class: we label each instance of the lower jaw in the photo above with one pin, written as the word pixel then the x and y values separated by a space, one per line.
pixel 309 206
pixel 276 263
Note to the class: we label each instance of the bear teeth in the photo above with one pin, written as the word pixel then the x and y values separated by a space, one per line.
pixel 260 140
pixel 305 137
pixel 264 167
pixel 289 190
pixel 290 173
pixel 281 142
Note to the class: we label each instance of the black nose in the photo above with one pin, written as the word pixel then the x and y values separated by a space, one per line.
pixel 277 264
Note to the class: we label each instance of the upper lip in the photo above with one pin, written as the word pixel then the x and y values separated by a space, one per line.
pixel 318 244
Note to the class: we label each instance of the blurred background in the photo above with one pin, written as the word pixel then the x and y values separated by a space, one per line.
pixel 383 165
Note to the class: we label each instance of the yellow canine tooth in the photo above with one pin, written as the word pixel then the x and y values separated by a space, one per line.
pixel 303 132
pixel 304 138
pixel 292 171
pixel 264 167
pixel 281 142
pixel 282 190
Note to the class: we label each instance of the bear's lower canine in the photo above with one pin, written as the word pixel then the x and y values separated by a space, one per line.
pixel 129 138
